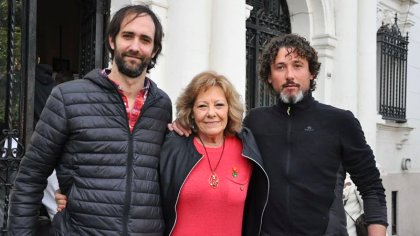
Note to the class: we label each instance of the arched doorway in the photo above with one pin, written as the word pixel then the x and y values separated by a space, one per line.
pixel 267 19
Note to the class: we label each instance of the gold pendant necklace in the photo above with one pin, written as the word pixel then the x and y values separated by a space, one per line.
pixel 213 179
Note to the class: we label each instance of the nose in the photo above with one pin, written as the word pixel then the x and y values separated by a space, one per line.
pixel 211 111
pixel 135 45
pixel 290 75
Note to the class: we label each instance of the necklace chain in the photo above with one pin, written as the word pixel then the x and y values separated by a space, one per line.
pixel 213 179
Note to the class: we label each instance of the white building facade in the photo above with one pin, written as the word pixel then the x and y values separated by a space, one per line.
pixel 211 35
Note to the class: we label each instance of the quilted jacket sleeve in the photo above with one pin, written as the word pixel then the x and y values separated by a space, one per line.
pixel 38 163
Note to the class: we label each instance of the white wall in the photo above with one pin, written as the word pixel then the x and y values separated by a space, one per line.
pixel 413 90
pixel 398 141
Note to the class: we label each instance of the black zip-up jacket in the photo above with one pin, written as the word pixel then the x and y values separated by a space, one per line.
pixel 307 147
pixel 109 174
pixel 179 157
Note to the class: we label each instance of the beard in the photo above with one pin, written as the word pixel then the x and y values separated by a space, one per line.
pixel 292 99
pixel 132 71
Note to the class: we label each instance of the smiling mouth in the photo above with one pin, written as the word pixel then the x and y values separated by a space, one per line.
pixel 133 57
pixel 212 123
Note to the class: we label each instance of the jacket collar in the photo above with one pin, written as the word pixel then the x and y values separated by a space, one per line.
pixel 307 101
pixel 96 76
pixel 249 145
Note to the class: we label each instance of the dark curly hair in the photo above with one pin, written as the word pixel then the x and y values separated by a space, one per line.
pixel 114 28
pixel 296 44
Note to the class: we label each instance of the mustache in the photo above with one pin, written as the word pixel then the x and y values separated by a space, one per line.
pixel 135 55
pixel 290 84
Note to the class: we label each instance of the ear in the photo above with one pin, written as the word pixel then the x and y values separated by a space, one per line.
pixel 111 43
pixel 269 80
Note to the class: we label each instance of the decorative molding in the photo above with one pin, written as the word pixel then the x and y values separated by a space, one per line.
pixel 411 2
pixel 386 13
pixel 401 132
pixel 248 9
pixel 325 45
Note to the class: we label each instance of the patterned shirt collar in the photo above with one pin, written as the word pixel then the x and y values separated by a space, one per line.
pixel 147 82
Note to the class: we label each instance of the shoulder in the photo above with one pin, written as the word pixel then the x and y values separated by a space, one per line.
pixel 330 108
pixel 76 86
pixel 250 147
pixel 80 91
pixel 154 89
pixel 259 111
pixel 177 146
pixel 163 99
pixel 335 113
pixel 245 134
pixel 172 139
pixel 257 115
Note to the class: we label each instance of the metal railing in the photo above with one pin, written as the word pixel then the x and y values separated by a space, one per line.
pixel 11 148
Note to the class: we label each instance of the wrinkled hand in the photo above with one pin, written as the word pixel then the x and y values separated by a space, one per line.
pixel 61 201
pixel 174 126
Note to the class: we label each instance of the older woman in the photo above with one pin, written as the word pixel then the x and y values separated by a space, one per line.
pixel 212 182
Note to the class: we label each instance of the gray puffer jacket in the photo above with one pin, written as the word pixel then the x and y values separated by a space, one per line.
pixel 109 174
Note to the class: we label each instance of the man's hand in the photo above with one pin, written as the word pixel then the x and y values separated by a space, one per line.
pixel 61 201
pixel 376 230
pixel 179 129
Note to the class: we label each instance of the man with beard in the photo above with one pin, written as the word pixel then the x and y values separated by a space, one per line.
pixel 103 135
pixel 307 147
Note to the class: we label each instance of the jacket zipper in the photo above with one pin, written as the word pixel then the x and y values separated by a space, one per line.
pixel 289 129
pixel 128 186
pixel 177 197
pixel 268 190
pixel 129 168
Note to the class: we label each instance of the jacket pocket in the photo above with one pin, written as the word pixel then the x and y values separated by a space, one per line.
pixel 60 224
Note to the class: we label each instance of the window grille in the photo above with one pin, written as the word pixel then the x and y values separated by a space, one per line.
pixel 392 72
pixel 267 19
